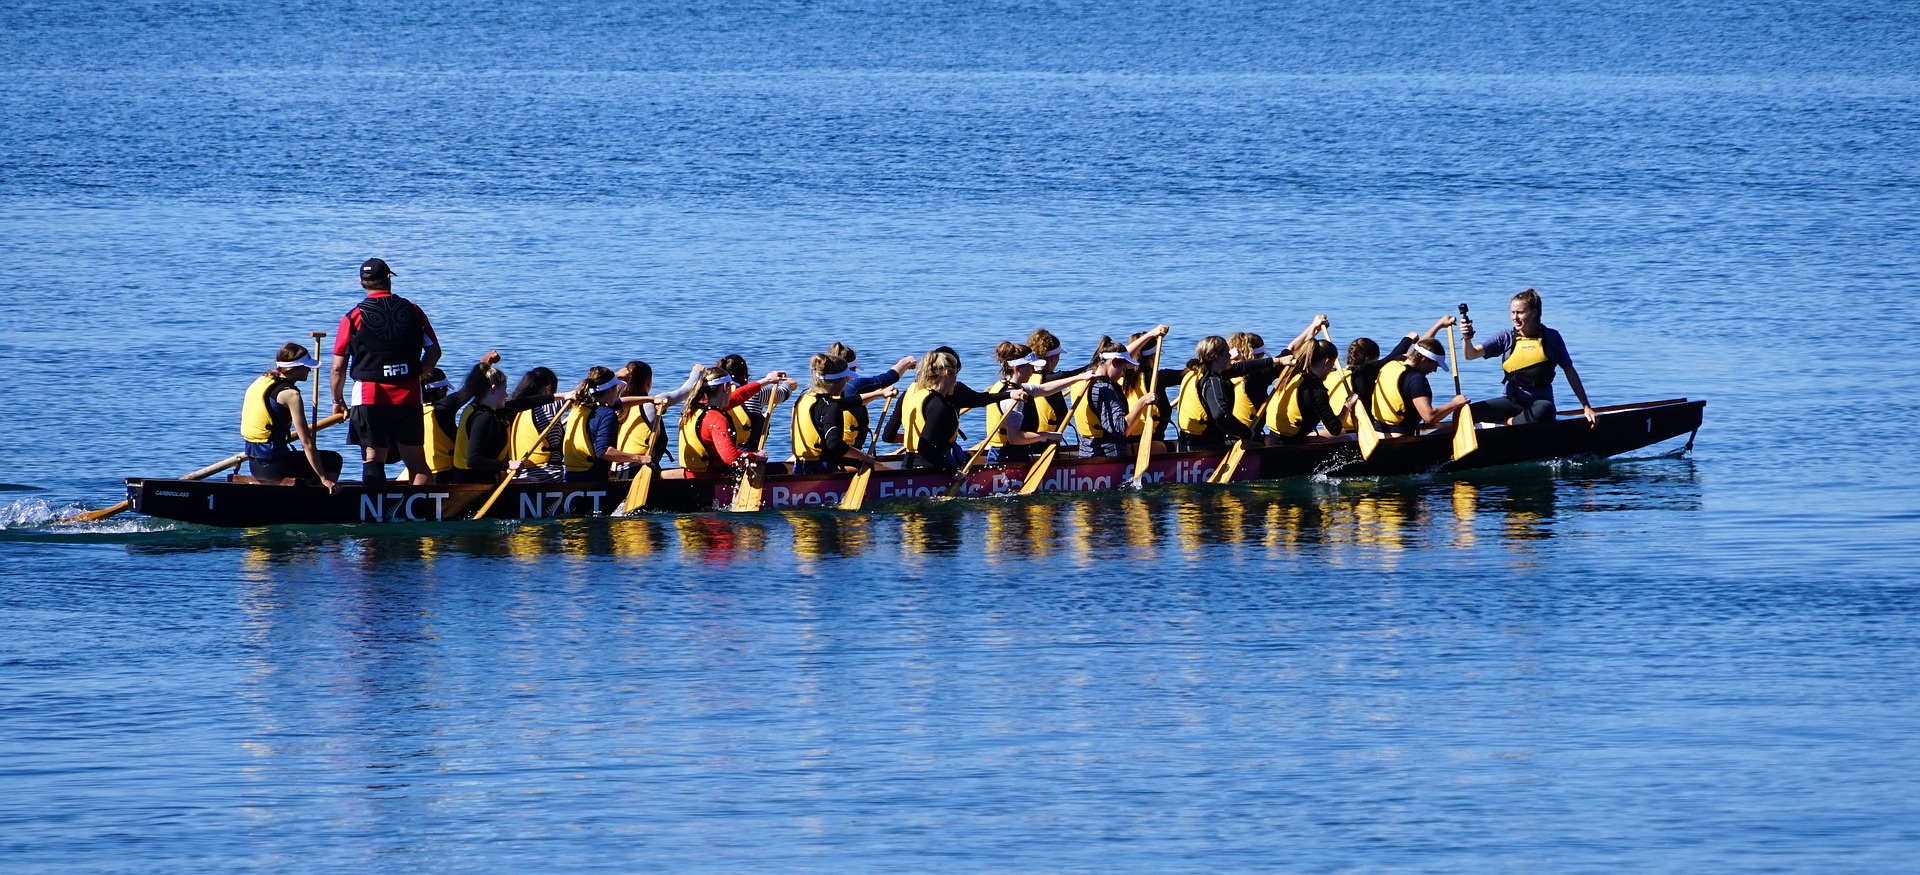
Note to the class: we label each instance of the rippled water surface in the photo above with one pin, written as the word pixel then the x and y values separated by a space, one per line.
pixel 1679 660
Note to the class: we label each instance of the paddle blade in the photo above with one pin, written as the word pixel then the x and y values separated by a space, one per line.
pixel 747 495
pixel 1363 425
pixel 857 490
pixel 94 516
pixel 1038 471
pixel 1465 440
pixel 642 488
pixel 1224 473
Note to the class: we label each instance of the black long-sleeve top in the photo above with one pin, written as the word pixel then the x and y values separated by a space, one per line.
pixel 940 421
pixel 487 431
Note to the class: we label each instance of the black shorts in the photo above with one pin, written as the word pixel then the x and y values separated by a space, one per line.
pixel 294 464
pixel 387 425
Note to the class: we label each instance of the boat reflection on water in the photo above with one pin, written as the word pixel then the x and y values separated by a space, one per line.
pixel 1375 525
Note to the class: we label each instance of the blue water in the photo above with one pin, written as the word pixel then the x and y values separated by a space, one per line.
pixel 1677 661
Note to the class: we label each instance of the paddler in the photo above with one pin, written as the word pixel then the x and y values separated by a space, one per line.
pixel 1402 396
pixel 1529 353
pixel 481 444
pixel 272 416
pixel 530 421
pixel 445 406
pixel 1302 404
pixel 713 442
pixel 385 342
pixel 862 389
pixel 1013 431
pixel 1364 363
pixel 1204 411
pixel 753 411
pixel 931 411
pixel 642 414
pixel 825 430
pixel 592 429
pixel 1052 409
pixel 1109 416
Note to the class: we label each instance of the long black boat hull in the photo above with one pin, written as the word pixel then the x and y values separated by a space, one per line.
pixel 241 503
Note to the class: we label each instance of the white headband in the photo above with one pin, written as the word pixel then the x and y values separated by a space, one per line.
pixel 841 374
pixel 1119 357
pixel 301 362
pixel 1027 360
pixel 1259 351
pixel 1437 358
pixel 717 382
pixel 437 384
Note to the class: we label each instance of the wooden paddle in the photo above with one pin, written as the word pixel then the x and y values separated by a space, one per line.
pixel 1464 439
pixel 1037 472
pixel 979 450
pixel 751 492
pixel 317 336
pixel 642 486
pixel 233 461
pixel 857 488
pixel 1152 428
pixel 1362 420
pixel 539 440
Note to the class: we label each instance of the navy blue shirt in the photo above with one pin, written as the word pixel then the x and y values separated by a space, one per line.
pixel 1550 343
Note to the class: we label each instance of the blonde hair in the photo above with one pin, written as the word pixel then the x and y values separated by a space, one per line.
pixel 825 363
pixel 936 366
pixel 1206 352
pixel 1244 343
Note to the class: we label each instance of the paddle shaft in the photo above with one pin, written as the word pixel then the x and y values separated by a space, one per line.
pixel 1231 463
pixel 1453 359
pixel 1144 456
pixel 974 459
pixel 874 428
pixel 233 461
pixel 1038 470
pixel 539 441
pixel 642 485
pixel 317 336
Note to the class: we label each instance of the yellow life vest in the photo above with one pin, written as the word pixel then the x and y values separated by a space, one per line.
pixel 258 425
pixel 636 433
pixel 576 441
pixel 1191 415
pixel 1049 415
pixel 522 436
pixel 1283 408
pixel 440 445
pixel 1526 364
pixel 1084 419
pixel 1243 406
pixel 461 441
pixel 1336 388
pixel 1388 406
pixel 913 416
pixel 695 454
pixel 808 443
pixel 997 413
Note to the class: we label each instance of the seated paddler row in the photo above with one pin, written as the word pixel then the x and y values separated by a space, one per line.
pixel 612 422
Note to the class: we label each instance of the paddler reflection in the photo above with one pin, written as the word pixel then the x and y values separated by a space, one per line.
pixel 818 535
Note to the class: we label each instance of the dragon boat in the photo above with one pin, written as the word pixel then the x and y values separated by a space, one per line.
pixel 241 502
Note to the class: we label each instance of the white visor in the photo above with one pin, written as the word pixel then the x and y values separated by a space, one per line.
pixel 1437 358
pixel 301 362
pixel 1259 352
pixel 717 382
pixel 1028 360
pixel 841 374
pixel 437 384
pixel 1119 357
pixel 614 384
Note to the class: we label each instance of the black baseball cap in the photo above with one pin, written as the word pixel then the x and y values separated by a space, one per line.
pixel 374 269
